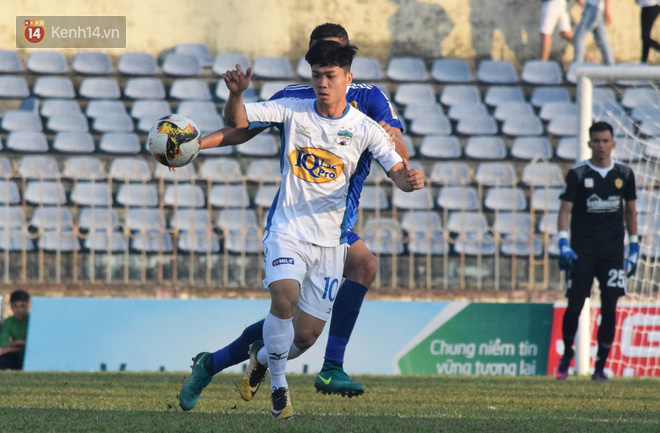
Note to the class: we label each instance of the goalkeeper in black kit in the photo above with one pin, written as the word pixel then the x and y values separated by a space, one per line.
pixel 599 196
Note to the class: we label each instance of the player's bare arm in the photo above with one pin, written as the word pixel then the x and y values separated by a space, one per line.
pixel 406 179
pixel 229 136
pixel 237 82
pixel 397 137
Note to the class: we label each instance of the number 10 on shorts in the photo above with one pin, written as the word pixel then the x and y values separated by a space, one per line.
pixel 329 292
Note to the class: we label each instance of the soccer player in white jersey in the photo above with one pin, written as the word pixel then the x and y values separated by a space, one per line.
pixel 304 242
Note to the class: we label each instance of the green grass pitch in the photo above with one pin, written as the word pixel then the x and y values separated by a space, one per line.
pixel 147 402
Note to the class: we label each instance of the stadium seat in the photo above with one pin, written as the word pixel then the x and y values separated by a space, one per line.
pixel 485 147
pixel 266 195
pixel 9 193
pixel 38 167
pixel 11 218
pixel 414 200
pixel 15 240
pixel 113 123
pixel 10 61
pixel 463 198
pixel 628 149
pixel 235 218
pixel 229 196
pixel 13 87
pixel 191 109
pixel 451 71
pixel 137 64
pixel 73 142
pixel 513 222
pixel 99 88
pixel 522 125
pixel 621 123
pixel 181 65
pixel 383 236
pixel 649 128
pixel 414 93
pixel 366 69
pixel 439 146
pixel 198 242
pixel 91 194
pixel 146 122
pixel 548 223
pixel 373 197
pixel 222 92
pixel 406 68
pixel 27 142
pixel 541 95
pixel 45 192
pixel 469 109
pixel 518 244
pixel 130 169
pixel 49 107
pixel 263 145
pixel 304 71
pixel 551 110
pixel 467 221
pixel 21 121
pixel 191 220
pixel 529 148
pixel 263 170
pixel 53 87
pixel 152 241
pixel 137 194
pixel 643 112
pixel 647 203
pixel 496 95
pixel 563 125
pixel 220 170
pixel 507 110
pixel 64 241
pixel 422 109
pixel 154 107
pixel 540 72
pixel 47 62
pixel 271 68
pixel 6 168
pixel 542 174
pixel 505 199
pixel 183 196
pixel 546 199
pixel 144 88
pixel 83 168
pixel 92 63
pixel 497 72
pixel 567 148
pixel 424 240
pixel 185 174
pixel 477 125
pixel 635 96
pixel 496 174
pixel 190 89
pixel 425 219
pixel 224 62
pixel 120 143
pixel 67 121
pixel 98 107
pixel 104 241
pixel 268 89
pixel 431 124
pixel 245 239
pixel 208 122
pixel 460 94
pixel 377 175
pixel 450 173
pixel 199 51
pixel 143 219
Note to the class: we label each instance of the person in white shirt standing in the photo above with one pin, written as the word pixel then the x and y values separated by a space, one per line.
pixel 305 238
pixel 554 15
pixel 650 11
pixel 595 16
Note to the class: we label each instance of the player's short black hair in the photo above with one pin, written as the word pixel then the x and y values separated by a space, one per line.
pixel 331 53
pixel 19 296
pixel 328 30
pixel 601 126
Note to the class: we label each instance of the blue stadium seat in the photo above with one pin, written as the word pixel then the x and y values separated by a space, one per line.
pixel 53 106
pixel 13 87
pixel 224 62
pixel 113 123
pixel 47 62
pixel 45 192
pixel 497 72
pixel 98 107
pixel 99 88
pixel 649 128
pixel 645 111
pixel 496 95
pixel 464 198
pixel 529 148
pixel 450 173
pixel 92 63
pixel 451 71
pixel 21 121
pixel 540 72
pixel 263 170
pixel 505 199
pixel 506 110
pixel 181 65
pixel 220 170
pixel 91 194
pixel 137 64
pixel 53 87
pixel 9 193
pixel 137 194
pixel 27 142
pixel 304 71
pixel 10 61
pixel 144 88
pixel 65 241
pixel 143 219
pixel 272 67
pixel 383 236
pixel 406 68
pixel 183 196
pixel 130 169
pixel 263 145
pixel 103 241
pixel 67 121
pixel 190 88
pixel 414 93
pixel 439 146
pixel 485 147
pixel 460 94
pixel 120 143
pixel 496 174
pixel 229 196
pixel 152 241
pixel 200 51
pixel 83 167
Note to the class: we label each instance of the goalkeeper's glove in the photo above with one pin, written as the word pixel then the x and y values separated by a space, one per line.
pixel 566 254
pixel 633 256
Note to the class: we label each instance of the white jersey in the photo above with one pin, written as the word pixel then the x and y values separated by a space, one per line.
pixel 318 157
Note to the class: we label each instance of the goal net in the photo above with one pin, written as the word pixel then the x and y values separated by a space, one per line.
pixel 628 97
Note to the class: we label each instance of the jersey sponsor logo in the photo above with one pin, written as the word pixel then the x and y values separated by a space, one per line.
pixel 354 104
pixel 589 182
pixel 315 165
pixel 344 137
pixel 283 261
pixel 595 204
pixel 618 183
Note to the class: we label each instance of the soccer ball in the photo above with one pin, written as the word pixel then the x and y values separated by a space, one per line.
pixel 174 140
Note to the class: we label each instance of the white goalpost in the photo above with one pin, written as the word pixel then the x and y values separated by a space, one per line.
pixel 628 97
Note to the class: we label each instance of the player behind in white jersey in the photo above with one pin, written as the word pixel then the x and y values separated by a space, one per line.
pixel 305 239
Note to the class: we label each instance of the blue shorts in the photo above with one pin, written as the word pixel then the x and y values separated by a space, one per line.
pixel 351 237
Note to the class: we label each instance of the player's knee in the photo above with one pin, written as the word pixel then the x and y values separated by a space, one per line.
pixel 363 270
pixel 305 339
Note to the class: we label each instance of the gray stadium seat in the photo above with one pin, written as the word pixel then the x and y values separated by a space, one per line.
pixel 181 65
pixel 9 193
pixel 98 107
pixel 414 93
pixel 222 92
pixel 649 128
pixel 265 195
pixel 567 148
pixel 27 142
pixel 146 122
pixel 497 72
pixel 496 174
pixel 65 241
pixel 220 170
pixel 451 71
pixel 245 239
pixel 137 64
pixel 10 61
pixel 542 95
pixel 83 167
pixel 191 220
pixel 529 148
pixel 98 219
pixel 153 107
pixel 635 96
pixel 366 69
pixel 477 125
pixel 304 71
pixel 45 192
pixel 47 62
pixel 92 63
pixel 383 236
pixel 264 170
pixel 373 197
pixel 190 88
pixel 431 124
pixel 119 143
pixel 418 199
pixel 53 87
pixel 548 223
pixel 522 125
pixel 496 95
pixel 13 87
pixel 647 202
pixel 272 67
pixel 518 244
pixel 91 194
pixel 67 121
pixel 460 94
pixel 263 145
pixel 505 199
pixel 554 109
pixel 11 218
pixel 540 72
pixel 645 111
pixel 472 243
pixel 38 167
pixel 208 122
pixel 130 169
pixel 439 146
pixel 15 240
pixel 545 199
pixel 137 194
pixel 99 88
pixel 152 241
pixel 50 107
pixel 198 242
pixel 113 123
pixel 144 88
pixel 192 109
pixel 467 221
pixel 563 125
pixel 143 219
pixel 224 62
pixel 103 241
pixel 450 173
pixel 469 109
pixel 235 218
pixel 406 68
pixel 267 89
pixel 416 219
pixel 506 110
pixel 229 196
pixel 21 121
pixel 463 198
pixel 200 51
pixel 185 174
pixel 421 109
pixel 485 147
pixel 628 149
pixel 6 167
pixel 513 222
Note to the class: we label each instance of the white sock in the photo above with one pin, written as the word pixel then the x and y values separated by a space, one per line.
pixel 295 351
pixel 278 338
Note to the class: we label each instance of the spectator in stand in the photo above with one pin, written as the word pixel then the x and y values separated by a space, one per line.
pixel 554 15
pixel 14 332
pixel 595 16
pixel 650 11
